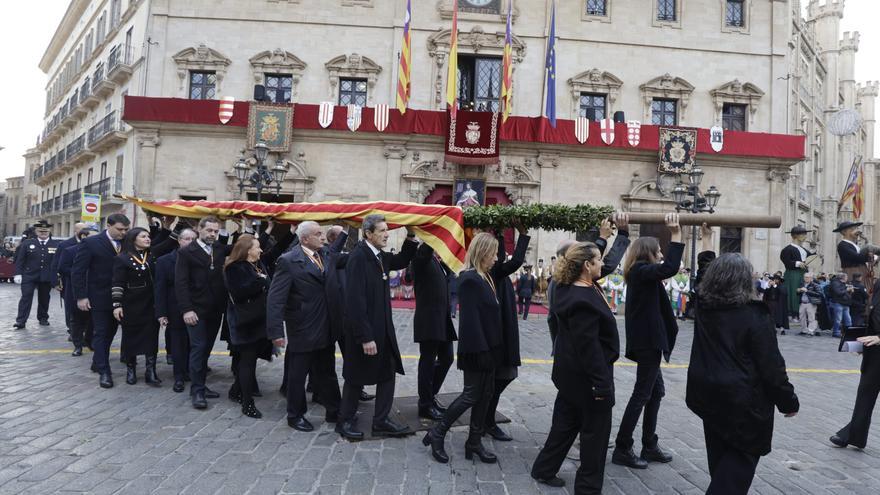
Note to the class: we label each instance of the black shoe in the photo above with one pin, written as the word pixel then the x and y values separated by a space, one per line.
pixel 782 332
pixel 199 401
pixel 439 405
pixel 151 377
pixel 77 351
pixel 210 394
pixel 431 413
pixel 106 380
pixel 349 431
pixel 498 434
pixel 481 452
pixel 178 386
pixel 250 410
pixel 655 455
pixel 628 458
pixel 554 481
pixel 365 397
pixel 300 424
pixel 234 394
pixel 131 374
pixel 169 360
pixel 438 451
pixel 390 428
pixel 44 323
pixel 837 441
pixel 18 326
pixel 94 368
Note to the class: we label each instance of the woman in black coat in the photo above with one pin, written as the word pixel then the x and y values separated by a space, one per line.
pixel 480 349
pixel 775 298
pixel 247 282
pixel 134 303
pixel 651 329
pixel 736 374
pixel 587 345
pixel 856 432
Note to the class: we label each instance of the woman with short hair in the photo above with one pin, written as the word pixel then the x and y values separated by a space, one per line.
pixel 480 350
pixel 736 374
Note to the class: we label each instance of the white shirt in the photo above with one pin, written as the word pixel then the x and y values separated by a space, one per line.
pixel 373 249
pixel 309 252
pixel 851 242
pixel 112 240
pixel 207 247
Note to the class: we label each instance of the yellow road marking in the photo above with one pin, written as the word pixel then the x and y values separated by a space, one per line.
pixel 626 364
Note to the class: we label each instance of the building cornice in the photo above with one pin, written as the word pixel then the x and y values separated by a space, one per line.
pixel 62 32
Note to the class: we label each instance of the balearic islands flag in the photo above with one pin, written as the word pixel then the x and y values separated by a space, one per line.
pixel 403 70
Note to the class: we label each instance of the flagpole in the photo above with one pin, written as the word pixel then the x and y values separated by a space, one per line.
pixel 546 41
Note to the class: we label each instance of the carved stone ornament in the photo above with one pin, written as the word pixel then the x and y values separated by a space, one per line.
pixel 201 58
pixel 277 61
pixel 594 81
pixel 666 86
pixel 352 66
pixel 739 93
pixel 778 175
pixel 520 179
pixel 444 8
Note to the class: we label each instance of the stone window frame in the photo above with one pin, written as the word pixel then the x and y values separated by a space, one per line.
pixel 278 61
pixel 353 66
pixel 201 58
pixel 444 8
pixel 740 93
pixel 666 87
pixel 585 17
pixel 473 42
pixel 747 18
pixel 676 24
pixel 594 81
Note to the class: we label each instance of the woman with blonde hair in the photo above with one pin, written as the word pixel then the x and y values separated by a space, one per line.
pixel 587 345
pixel 480 350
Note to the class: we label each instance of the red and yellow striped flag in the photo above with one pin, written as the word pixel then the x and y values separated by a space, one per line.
pixel 855 188
pixel 439 226
pixel 403 70
pixel 452 65
pixel 507 69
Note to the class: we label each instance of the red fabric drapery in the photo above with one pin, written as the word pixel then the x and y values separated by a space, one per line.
pixel 433 123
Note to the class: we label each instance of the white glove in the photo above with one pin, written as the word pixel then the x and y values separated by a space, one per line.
pixel 17 279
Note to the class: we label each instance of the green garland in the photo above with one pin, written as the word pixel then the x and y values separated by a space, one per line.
pixel 576 218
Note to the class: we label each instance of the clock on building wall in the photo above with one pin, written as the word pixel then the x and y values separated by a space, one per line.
pixel 480 6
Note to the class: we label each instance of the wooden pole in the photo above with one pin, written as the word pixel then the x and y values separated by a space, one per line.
pixel 712 219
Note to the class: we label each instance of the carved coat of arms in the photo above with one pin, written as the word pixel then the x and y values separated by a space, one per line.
pixel 472 134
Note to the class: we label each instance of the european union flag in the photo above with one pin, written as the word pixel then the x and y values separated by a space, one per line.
pixel 550 66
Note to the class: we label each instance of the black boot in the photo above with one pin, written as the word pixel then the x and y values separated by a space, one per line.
pixel 151 378
pixel 131 373
pixel 436 441
pixel 250 410
pixel 235 393
pixel 474 445
pixel 77 351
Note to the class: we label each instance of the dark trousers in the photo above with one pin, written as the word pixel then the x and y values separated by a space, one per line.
pixel 476 394
pixel 732 470
pixel 497 388
pixel 856 432
pixel 80 327
pixel 320 365
pixel 105 331
pixel 647 393
pixel 525 303
pixel 453 303
pixel 569 421
pixel 246 370
pixel 179 350
pixel 202 336
pixel 351 395
pixel 44 289
pixel 435 358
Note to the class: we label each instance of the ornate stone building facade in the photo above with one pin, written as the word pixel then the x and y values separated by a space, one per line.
pixel 692 64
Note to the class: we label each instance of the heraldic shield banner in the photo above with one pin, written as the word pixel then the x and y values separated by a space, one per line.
pixel 472 138
pixel 678 149
pixel 271 124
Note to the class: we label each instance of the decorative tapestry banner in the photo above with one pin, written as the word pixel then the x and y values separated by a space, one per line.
pixel 271 124
pixel 472 138
pixel 678 149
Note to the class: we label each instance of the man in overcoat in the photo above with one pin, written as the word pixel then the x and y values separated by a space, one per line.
pixel 372 355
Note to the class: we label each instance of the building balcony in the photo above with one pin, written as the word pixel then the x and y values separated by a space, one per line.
pixel 38 172
pixel 105 188
pixel 119 64
pixel 77 153
pixel 101 86
pixel 105 134
pixel 72 200
pixel 86 97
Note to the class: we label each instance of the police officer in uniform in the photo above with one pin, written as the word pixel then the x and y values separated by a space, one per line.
pixel 33 270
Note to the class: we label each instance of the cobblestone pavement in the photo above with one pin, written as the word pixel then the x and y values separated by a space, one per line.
pixel 59 432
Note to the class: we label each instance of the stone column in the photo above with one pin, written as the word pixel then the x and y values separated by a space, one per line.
pixel 778 202
pixel 145 162
pixel 547 162
pixel 394 153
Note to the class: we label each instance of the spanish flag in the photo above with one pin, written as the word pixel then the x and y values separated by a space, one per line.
pixel 403 71
pixel 452 64
pixel 507 70
pixel 439 226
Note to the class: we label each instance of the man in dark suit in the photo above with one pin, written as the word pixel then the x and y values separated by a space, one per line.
pixel 92 278
pixel 852 260
pixel 432 328
pixel 168 312
pixel 78 322
pixel 64 285
pixel 298 298
pixel 33 270
pixel 525 287
pixel 372 355
pixel 201 298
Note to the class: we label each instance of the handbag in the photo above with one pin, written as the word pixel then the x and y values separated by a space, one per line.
pixel 250 313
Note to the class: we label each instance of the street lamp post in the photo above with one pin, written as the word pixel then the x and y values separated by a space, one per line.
pixel 689 198
pixel 254 173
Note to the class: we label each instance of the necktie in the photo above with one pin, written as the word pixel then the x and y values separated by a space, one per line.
pixel 317 259
pixel 116 245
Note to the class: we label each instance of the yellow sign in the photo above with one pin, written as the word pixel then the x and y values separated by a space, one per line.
pixel 91 208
